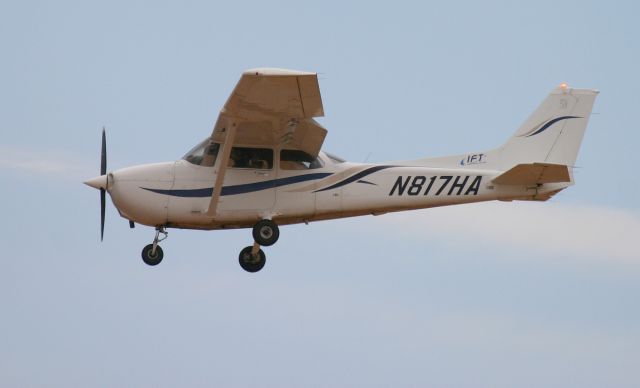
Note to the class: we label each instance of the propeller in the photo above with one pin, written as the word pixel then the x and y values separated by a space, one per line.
pixel 103 171
pixel 101 182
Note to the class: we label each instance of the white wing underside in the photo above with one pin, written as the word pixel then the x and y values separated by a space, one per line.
pixel 274 108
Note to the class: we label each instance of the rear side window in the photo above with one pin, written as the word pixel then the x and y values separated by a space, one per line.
pixel 298 160
pixel 256 158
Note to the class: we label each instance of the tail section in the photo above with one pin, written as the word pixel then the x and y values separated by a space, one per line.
pixel 543 150
pixel 553 133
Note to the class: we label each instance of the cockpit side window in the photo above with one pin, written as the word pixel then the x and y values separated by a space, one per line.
pixel 298 160
pixel 204 154
pixel 256 158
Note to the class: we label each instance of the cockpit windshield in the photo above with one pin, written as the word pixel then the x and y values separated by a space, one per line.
pixel 204 154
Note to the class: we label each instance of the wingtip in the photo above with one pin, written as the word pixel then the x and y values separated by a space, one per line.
pixel 274 71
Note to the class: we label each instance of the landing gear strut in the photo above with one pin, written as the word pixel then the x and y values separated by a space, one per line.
pixel 152 254
pixel 265 233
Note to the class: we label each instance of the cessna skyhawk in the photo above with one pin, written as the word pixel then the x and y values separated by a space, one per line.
pixel 262 167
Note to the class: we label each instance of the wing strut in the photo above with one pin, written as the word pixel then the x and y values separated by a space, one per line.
pixel 224 161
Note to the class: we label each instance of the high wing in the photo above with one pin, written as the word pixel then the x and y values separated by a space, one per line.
pixel 272 108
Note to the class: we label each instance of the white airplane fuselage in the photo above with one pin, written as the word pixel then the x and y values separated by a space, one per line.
pixel 177 194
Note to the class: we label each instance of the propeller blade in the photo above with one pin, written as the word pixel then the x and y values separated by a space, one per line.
pixel 102 208
pixel 103 171
pixel 103 155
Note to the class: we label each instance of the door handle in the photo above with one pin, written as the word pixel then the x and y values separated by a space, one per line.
pixel 261 173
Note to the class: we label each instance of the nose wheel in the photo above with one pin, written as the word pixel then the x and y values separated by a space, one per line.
pixel 152 254
pixel 151 258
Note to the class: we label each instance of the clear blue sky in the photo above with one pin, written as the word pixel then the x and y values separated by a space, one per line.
pixel 489 295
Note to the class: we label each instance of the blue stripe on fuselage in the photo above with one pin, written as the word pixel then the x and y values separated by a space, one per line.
pixel 240 189
pixel 355 177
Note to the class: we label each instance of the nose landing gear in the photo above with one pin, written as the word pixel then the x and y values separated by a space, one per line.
pixel 152 254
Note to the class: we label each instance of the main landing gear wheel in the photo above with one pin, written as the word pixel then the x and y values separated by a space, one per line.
pixel 266 233
pixel 252 262
pixel 151 258
pixel 152 254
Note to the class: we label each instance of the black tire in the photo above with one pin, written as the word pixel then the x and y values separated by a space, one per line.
pixel 152 259
pixel 266 233
pixel 250 263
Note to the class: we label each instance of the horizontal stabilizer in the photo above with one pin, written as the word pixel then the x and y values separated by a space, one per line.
pixel 534 173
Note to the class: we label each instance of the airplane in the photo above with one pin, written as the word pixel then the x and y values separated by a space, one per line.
pixel 262 167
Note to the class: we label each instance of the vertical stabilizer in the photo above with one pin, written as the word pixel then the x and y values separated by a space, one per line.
pixel 553 133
